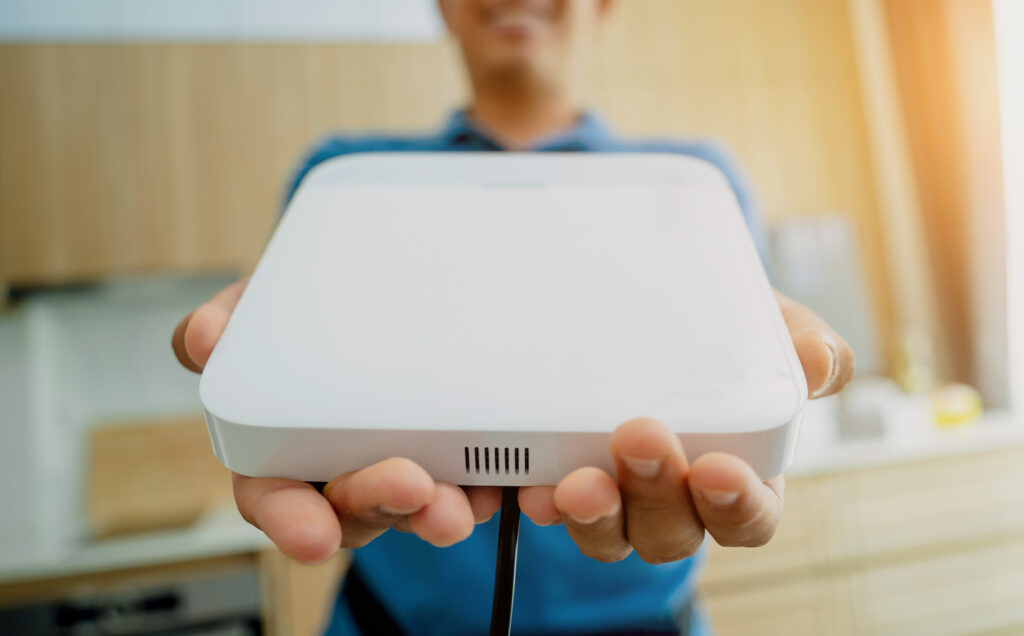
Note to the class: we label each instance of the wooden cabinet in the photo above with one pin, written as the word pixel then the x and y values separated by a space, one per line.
pixel 132 158
pixel 926 506
pixel 932 547
pixel 794 607
pixel 974 590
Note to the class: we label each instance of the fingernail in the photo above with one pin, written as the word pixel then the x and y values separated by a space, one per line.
pixel 833 357
pixel 720 497
pixel 645 468
pixel 388 510
pixel 593 520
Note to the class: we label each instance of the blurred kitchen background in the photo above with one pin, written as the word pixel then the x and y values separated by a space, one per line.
pixel 144 150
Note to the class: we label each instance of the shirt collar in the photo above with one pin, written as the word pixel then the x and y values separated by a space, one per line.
pixel 589 133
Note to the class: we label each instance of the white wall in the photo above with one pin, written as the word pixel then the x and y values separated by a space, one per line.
pixel 330 20
pixel 1009 22
pixel 70 360
pixel 16 442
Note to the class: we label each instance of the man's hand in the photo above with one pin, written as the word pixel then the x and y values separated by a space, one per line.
pixel 660 505
pixel 352 509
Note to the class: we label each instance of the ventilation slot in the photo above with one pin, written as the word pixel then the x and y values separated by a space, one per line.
pixel 496 460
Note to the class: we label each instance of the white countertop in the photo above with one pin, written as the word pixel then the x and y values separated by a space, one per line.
pixel 218 533
pixel 992 430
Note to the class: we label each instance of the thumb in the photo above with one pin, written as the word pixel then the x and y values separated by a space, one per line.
pixel 826 358
pixel 196 335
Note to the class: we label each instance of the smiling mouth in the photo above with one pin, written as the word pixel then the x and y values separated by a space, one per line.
pixel 518 19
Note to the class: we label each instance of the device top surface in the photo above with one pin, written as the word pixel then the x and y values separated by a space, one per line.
pixel 513 169
pixel 508 292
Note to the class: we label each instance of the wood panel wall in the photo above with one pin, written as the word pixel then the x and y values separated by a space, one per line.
pixel 117 158
pixel 136 157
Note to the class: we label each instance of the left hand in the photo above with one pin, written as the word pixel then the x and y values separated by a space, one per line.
pixel 661 505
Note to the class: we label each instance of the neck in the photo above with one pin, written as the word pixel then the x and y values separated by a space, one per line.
pixel 515 118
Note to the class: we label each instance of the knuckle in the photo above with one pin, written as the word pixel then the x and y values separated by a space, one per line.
pixel 656 558
pixel 757 542
pixel 670 553
pixel 653 503
pixel 609 555
pixel 761 537
pixel 752 539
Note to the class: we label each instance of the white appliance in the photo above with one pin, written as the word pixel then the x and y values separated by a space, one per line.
pixel 494 317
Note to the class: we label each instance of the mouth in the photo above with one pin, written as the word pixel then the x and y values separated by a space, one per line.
pixel 518 19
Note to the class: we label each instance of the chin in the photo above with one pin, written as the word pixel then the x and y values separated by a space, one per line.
pixel 519 72
pixel 518 58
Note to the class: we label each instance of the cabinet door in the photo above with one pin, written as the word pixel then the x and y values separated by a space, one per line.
pixel 128 158
pixel 976 591
pixel 803 607
pixel 924 507
pixel 112 163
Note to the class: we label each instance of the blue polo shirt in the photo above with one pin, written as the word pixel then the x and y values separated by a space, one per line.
pixel 447 591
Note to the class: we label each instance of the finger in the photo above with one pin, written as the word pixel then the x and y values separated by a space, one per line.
pixel 590 505
pixel 178 345
pixel 447 519
pixel 662 524
pixel 195 336
pixel 371 500
pixel 826 358
pixel 737 508
pixel 484 501
pixel 292 514
pixel 538 504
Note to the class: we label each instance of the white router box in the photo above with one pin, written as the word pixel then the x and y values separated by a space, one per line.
pixel 495 316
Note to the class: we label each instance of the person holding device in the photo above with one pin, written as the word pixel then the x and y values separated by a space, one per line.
pixel 609 554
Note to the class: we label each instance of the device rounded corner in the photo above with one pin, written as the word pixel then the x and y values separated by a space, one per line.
pixel 684 164
pixel 328 169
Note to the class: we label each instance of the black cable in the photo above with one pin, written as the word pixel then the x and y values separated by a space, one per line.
pixel 505 567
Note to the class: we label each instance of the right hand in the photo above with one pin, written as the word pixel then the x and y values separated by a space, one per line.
pixel 354 508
